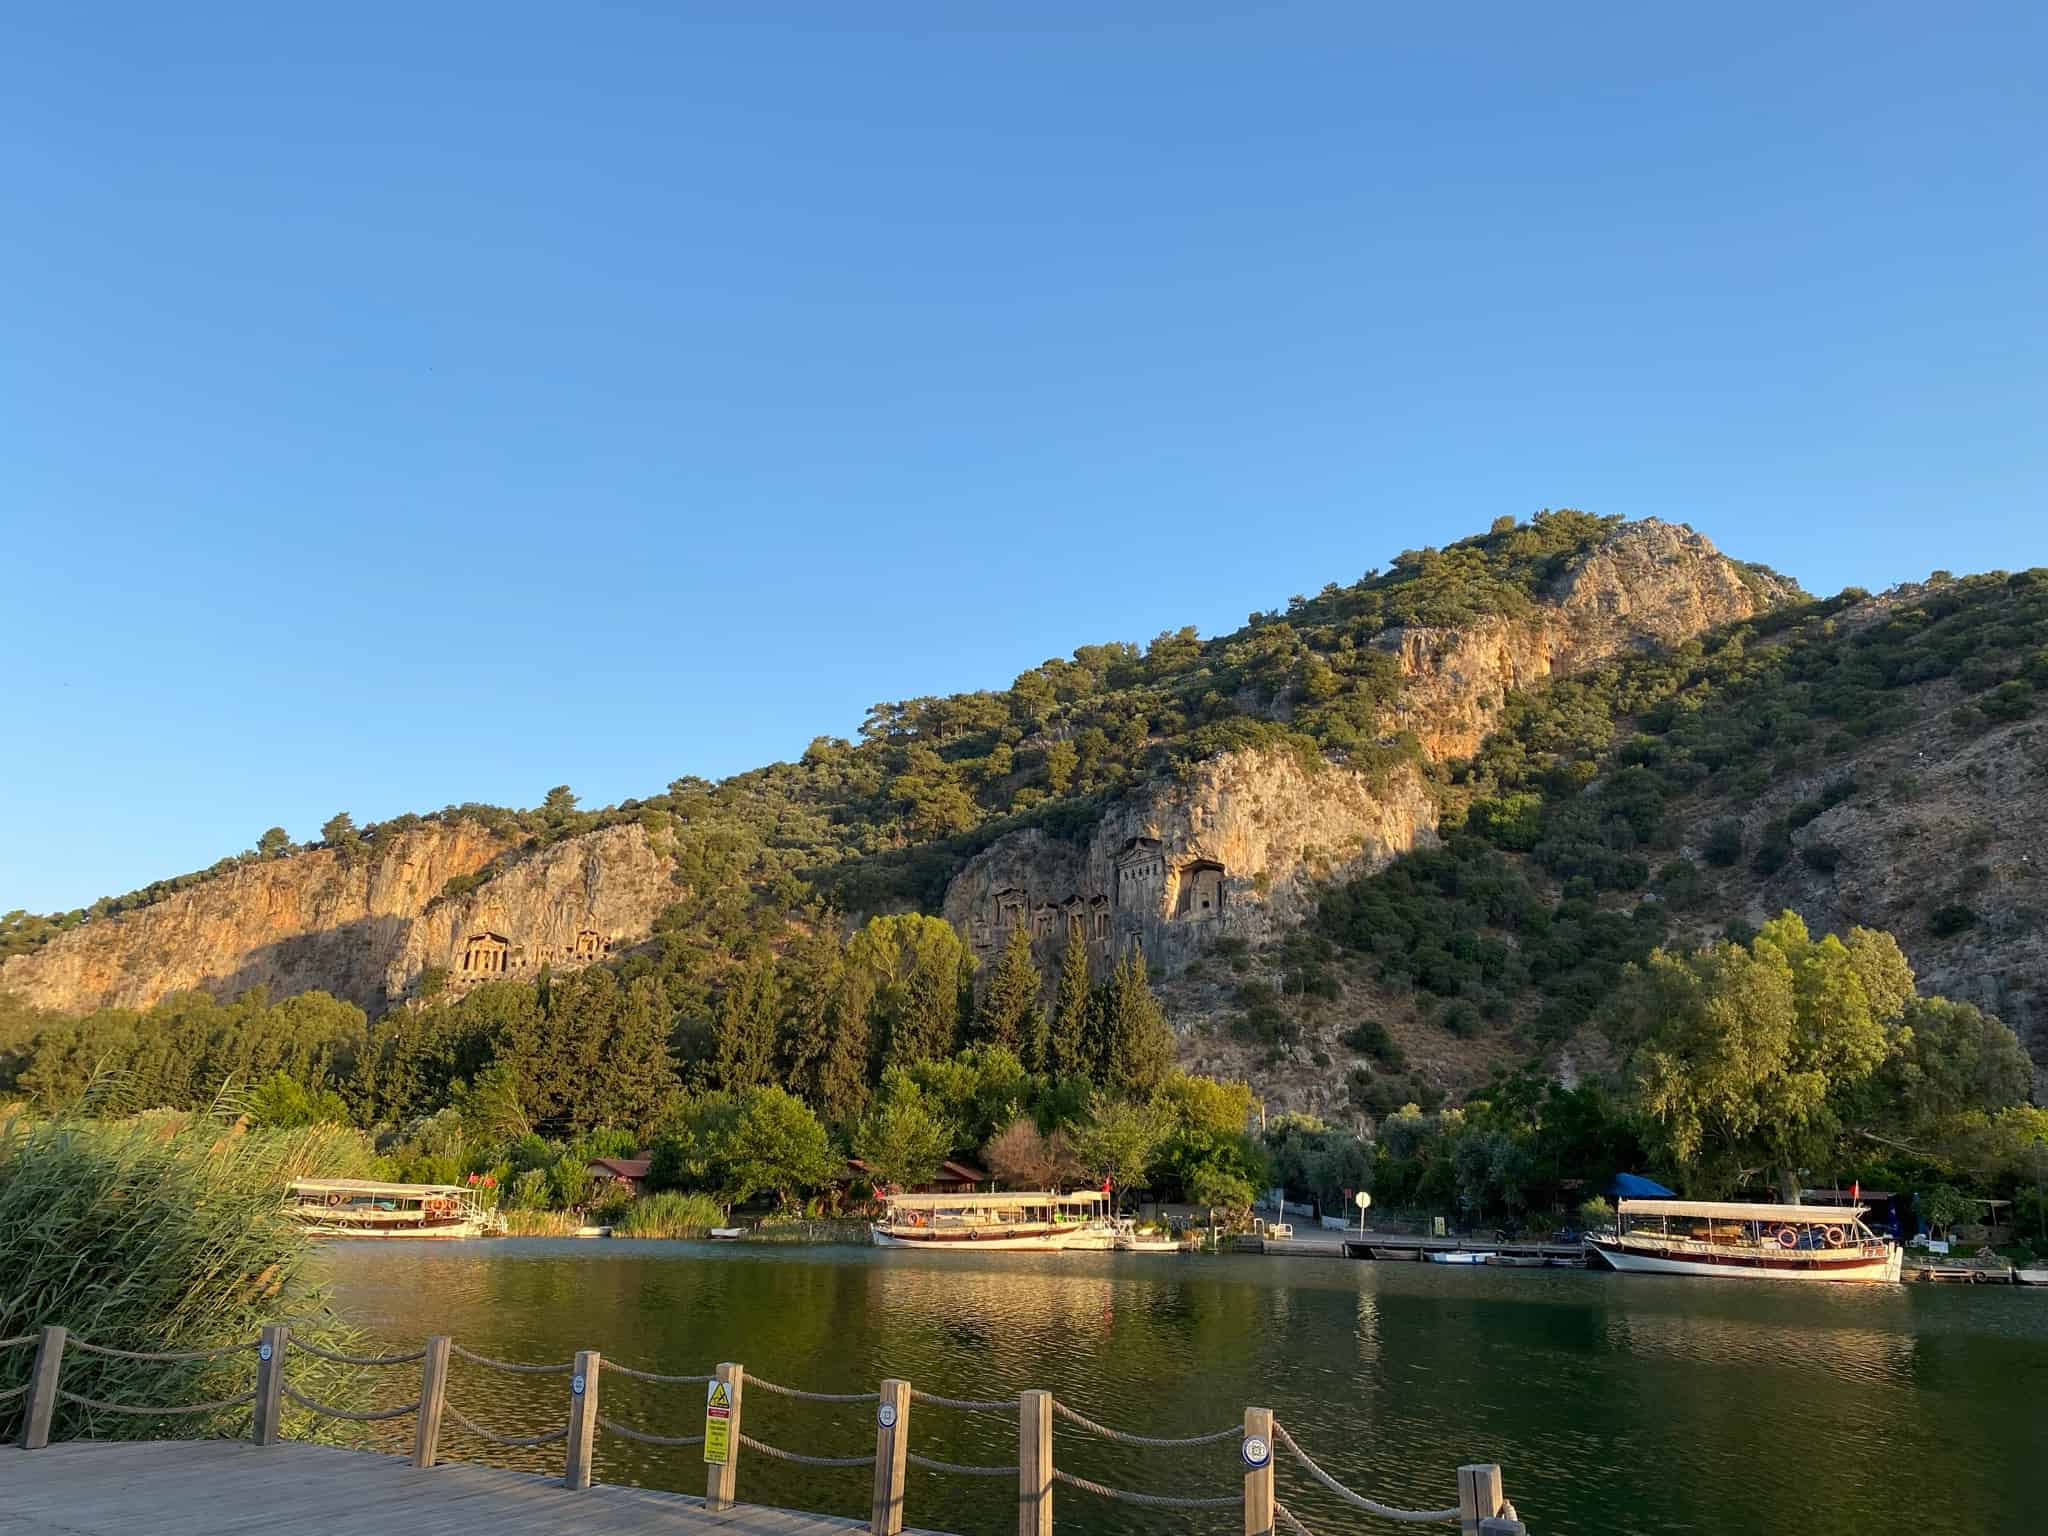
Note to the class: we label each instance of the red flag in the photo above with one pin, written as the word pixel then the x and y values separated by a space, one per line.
pixel 1105 1184
pixel 1856 1190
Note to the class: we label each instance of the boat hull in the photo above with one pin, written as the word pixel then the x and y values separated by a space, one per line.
pixel 1854 1268
pixel 445 1231
pixel 1040 1240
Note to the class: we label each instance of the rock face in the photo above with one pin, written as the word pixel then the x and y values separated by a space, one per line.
pixel 1649 584
pixel 562 907
pixel 317 919
pixel 363 928
pixel 1233 850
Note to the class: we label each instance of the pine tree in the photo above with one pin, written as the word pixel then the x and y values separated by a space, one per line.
pixel 744 1028
pixel 1066 1047
pixel 1137 1041
pixel 1009 1015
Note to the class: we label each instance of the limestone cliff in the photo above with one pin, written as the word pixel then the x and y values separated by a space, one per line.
pixel 1232 849
pixel 362 927
pixel 1649 583
pixel 319 919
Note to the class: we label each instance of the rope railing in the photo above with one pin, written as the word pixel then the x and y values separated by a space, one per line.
pixel 1157 1442
pixel 766 1385
pixel 513 1366
pixel 968 1404
pixel 138 1410
pixel 1147 1500
pixel 328 1410
pixel 515 1441
pixel 611 1366
pixel 1359 1500
pixel 954 1468
pixel 1035 1415
pixel 802 1460
pixel 165 1355
pixel 408 1358
pixel 613 1426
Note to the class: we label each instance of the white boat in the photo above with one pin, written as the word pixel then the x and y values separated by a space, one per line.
pixel 1129 1240
pixel 1457 1256
pixel 365 1208
pixel 1738 1240
pixel 1037 1221
pixel 729 1234
pixel 2030 1277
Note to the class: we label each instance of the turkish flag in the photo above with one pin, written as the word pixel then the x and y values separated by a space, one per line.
pixel 1105 1185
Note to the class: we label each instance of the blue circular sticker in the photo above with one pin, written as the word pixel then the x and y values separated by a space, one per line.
pixel 576 1384
pixel 262 1351
pixel 1256 1452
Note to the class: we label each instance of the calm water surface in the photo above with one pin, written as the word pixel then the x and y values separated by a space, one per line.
pixel 1612 1403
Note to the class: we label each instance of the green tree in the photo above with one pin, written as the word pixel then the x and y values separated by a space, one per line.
pixel 773 1143
pixel 1009 1015
pixel 918 971
pixel 284 1103
pixel 1060 759
pixel 1119 1140
pixel 1747 1053
pixel 339 831
pixel 274 844
pixel 1137 1040
pixel 558 804
pixel 745 1026
pixel 904 1136
pixel 634 1080
pixel 1069 1029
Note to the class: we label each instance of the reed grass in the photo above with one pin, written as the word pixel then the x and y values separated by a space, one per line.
pixel 670 1213
pixel 164 1232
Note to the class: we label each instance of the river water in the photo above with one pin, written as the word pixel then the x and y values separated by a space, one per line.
pixel 1613 1404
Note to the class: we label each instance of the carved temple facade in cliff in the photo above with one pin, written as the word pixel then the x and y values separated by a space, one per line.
pixel 1147 885
pixel 487 955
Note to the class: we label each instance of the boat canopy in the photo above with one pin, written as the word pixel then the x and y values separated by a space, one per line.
pixel 373 1189
pixel 1737 1210
pixel 1002 1202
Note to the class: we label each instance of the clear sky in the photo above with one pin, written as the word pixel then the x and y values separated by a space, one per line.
pixel 402 405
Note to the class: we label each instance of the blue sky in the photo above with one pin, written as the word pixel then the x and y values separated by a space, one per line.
pixel 405 405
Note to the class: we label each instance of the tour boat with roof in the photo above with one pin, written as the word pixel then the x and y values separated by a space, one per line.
pixel 1034 1221
pixel 366 1208
pixel 1739 1240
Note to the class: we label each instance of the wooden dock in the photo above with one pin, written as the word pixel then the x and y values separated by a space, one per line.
pixel 221 1487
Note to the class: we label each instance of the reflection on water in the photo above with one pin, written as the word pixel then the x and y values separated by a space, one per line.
pixel 1612 1403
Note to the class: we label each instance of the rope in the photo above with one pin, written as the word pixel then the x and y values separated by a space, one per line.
pixel 626 1370
pixel 13 1392
pixel 17 1341
pixel 646 1439
pixel 495 1438
pixel 95 1403
pixel 1149 1500
pixel 814 1397
pixel 1286 1517
pixel 1359 1500
pixel 166 1355
pixel 342 1413
pixel 807 1461
pixel 971 1404
pixel 1127 1438
pixel 933 1464
pixel 507 1365
pixel 341 1359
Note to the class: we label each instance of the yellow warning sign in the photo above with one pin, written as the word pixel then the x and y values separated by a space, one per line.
pixel 718 1423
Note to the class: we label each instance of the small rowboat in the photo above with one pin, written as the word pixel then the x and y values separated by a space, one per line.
pixel 728 1234
pixel 1462 1257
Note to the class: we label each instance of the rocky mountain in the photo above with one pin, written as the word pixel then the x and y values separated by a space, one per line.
pixel 1132 794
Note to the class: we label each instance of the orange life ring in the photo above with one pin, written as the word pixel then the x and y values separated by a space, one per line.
pixel 1834 1237
pixel 1787 1238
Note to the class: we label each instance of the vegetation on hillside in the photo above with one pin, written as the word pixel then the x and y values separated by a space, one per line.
pixel 886 818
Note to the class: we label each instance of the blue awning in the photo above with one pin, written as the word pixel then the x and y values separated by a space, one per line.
pixel 1633 1186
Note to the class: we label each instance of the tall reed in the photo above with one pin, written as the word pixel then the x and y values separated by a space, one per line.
pixel 671 1213
pixel 159 1233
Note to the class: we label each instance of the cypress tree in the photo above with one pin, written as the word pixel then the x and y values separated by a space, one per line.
pixel 1067 1038
pixel 1009 1015
pixel 1137 1041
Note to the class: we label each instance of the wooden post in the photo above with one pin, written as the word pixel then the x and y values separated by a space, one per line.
pixel 264 1418
pixel 42 1390
pixel 1257 1449
pixel 721 1482
pixel 582 1419
pixel 892 1444
pixel 1478 1496
pixel 426 1428
pixel 1034 1464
